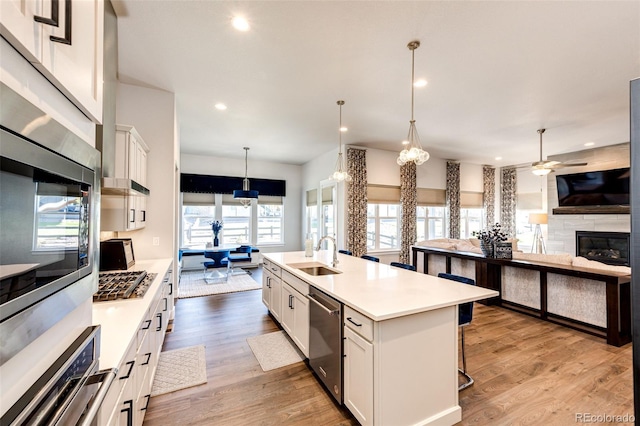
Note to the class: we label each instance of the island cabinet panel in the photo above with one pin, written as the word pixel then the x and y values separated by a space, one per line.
pixel 272 289
pixel 415 383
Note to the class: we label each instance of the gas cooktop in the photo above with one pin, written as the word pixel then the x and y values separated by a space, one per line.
pixel 122 285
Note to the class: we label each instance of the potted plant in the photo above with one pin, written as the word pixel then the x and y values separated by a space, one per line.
pixel 489 237
pixel 216 227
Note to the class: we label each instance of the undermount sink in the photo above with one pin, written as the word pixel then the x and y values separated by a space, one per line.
pixel 314 268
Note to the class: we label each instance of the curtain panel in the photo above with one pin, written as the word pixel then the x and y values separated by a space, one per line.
pixel 508 201
pixel 357 201
pixel 408 202
pixel 489 195
pixel 453 198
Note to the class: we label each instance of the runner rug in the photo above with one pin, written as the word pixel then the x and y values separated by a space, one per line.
pixel 274 350
pixel 179 369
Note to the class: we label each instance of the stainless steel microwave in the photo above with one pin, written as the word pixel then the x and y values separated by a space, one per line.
pixel 46 216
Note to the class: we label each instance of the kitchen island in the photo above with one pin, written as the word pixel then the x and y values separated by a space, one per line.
pixel 400 331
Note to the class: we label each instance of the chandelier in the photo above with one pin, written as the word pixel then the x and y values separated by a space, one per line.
pixel 340 174
pixel 245 195
pixel 412 150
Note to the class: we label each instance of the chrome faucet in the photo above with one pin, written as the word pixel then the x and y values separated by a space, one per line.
pixel 335 248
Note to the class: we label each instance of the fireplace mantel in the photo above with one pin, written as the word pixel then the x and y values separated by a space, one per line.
pixel 592 210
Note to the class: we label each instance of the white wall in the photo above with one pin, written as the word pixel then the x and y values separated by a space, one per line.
pixel 152 113
pixel 292 174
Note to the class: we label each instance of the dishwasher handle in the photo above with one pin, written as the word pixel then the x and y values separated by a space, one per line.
pixel 312 298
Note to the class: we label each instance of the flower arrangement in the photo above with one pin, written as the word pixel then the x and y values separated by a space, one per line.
pixel 492 235
pixel 216 226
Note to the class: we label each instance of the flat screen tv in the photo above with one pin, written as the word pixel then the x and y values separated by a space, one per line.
pixel 601 188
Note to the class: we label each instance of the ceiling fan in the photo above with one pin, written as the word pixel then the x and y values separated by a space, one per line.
pixel 542 168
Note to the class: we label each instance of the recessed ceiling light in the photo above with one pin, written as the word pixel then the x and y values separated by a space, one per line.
pixel 220 106
pixel 420 83
pixel 498 158
pixel 343 129
pixel 240 24
pixel 589 144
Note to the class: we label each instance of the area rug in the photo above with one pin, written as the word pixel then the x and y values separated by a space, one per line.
pixel 192 284
pixel 179 369
pixel 274 350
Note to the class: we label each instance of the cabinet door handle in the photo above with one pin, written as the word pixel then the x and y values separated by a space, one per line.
pixel 159 315
pixel 129 411
pixel 146 327
pixel 132 216
pixel 291 301
pixel 144 215
pixel 130 364
pixel 166 305
pixel 67 25
pixel 148 354
pixel 170 289
pixel 147 403
pixel 353 322
pixel 269 282
pixel 53 21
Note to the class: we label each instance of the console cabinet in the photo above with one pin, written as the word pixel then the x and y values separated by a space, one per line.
pixel 69 53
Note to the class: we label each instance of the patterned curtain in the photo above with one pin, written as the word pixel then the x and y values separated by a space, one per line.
pixel 453 198
pixel 408 203
pixel 357 201
pixel 508 199
pixel 489 195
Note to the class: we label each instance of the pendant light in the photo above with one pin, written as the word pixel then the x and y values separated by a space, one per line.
pixel 245 195
pixel 340 174
pixel 412 149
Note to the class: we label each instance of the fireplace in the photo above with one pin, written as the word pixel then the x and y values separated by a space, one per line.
pixel 611 248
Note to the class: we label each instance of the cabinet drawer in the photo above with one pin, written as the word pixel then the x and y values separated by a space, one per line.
pixel 275 269
pixel 301 286
pixel 359 323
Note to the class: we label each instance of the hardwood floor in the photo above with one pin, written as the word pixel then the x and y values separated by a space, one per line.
pixel 526 372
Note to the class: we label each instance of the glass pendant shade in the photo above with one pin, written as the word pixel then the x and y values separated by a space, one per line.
pixel 245 195
pixel 340 174
pixel 413 149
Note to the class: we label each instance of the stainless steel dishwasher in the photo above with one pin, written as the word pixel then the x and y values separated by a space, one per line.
pixel 325 340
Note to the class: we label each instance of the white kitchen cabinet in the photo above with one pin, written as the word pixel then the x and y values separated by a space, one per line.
pixel 128 398
pixel 295 311
pixel 272 289
pixel 358 370
pixel 126 211
pixel 75 65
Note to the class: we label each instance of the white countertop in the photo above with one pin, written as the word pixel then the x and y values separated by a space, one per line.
pixel 378 290
pixel 120 319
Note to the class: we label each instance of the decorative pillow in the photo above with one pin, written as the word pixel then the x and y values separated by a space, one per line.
pixel 593 264
pixel 465 245
pixel 437 244
pixel 475 242
pixel 561 259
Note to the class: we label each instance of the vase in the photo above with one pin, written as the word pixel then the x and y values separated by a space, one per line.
pixel 487 248
pixel 216 241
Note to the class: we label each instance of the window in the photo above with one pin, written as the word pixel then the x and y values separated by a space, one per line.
pixel 236 227
pixel 196 225
pixel 470 222
pixel 270 223
pixel 430 222
pixel 383 226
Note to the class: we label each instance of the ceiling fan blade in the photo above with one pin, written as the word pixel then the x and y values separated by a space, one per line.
pixel 549 163
pixel 562 165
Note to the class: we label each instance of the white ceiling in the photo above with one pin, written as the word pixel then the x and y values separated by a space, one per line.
pixel 497 72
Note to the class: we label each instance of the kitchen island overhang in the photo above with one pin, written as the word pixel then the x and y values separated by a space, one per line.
pixel 413 347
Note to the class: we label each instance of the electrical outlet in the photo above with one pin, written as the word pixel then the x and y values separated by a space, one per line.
pixel 156 241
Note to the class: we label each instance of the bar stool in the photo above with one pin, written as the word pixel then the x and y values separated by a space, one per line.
pixel 465 315
pixel 403 266
pixel 371 258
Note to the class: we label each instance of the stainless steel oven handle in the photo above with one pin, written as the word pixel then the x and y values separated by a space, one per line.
pixel 312 298
pixel 106 377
